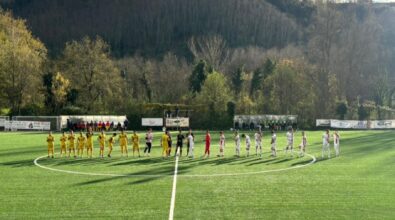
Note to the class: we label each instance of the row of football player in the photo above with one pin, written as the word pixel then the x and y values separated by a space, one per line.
pixel 166 143
pixel 69 143
pixel 273 142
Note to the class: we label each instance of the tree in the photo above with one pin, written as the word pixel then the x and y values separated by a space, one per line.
pixel 290 91
pixel 170 76
pixel 324 33
pixel 381 93
pixel 138 75
pixel 362 113
pixel 238 79
pixel 358 56
pixel 231 109
pixel 199 75
pixel 260 74
pixel 215 92
pixel 92 74
pixel 22 59
pixel 342 109
pixel 147 86
pixel 215 98
pixel 211 48
pixel 48 95
pixel 60 89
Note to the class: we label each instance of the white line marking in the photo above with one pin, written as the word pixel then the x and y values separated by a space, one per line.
pixel 180 175
pixel 173 192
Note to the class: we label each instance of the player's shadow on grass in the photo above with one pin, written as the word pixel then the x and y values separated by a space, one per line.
pixel 18 163
pixel 282 160
pixel 72 161
pixel 140 177
pixel 21 151
pixel 158 172
pixel 262 161
pixel 210 161
pixel 303 162
pixel 320 159
pixel 145 161
pixel 252 159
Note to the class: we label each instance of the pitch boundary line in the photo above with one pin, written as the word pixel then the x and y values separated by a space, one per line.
pixel 180 175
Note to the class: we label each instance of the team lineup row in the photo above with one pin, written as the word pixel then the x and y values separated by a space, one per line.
pixel 69 143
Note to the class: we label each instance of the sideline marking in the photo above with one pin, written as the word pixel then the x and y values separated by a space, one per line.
pixel 163 175
pixel 173 192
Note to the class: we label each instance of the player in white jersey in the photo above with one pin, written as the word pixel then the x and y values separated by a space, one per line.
pixel 303 145
pixel 258 143
pixel 273 142
pixel 248 143
pixel 290 141
pixel 237 143
pixel 221 144
pixel 325 144
pixel 336 143
pixel 191 144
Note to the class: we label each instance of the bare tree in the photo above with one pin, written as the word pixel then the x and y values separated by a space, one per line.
pixel 211 48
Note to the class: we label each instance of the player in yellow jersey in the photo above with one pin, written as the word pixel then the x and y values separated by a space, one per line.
pixel 89 143
pixel 123 142
pixel 165 144
pixel 71 139
pixel 135 141
pixel 111 142
pixel 51 144
pixel 102 142
pixel 63 140
pixel 81 144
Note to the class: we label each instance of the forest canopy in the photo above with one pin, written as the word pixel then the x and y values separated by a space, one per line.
pixel 256 56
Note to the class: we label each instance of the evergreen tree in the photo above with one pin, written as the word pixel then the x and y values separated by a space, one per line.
pixel 260 74
pixel 237 79
pixel 199 75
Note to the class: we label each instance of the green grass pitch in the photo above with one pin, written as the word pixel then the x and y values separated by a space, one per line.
pixel 360 184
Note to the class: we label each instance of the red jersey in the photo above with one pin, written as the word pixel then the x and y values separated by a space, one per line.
pixel 208 140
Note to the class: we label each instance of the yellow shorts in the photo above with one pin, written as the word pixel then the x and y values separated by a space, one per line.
pixel 71 147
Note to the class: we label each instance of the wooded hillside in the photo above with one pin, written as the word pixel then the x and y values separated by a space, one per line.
pixel 136 57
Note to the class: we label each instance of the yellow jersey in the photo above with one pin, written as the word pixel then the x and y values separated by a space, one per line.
pixel 81 141
pixel 102 139
pixel 71 139
pixel 135 139
pixel 123 139
pixel 63 140
pixel 165 141
pixel 89 138
pixel 50 140
pixel 111 142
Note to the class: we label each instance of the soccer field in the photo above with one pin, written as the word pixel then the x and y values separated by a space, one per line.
pixel 360 184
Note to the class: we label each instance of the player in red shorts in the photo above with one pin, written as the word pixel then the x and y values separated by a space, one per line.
pixel 208 142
